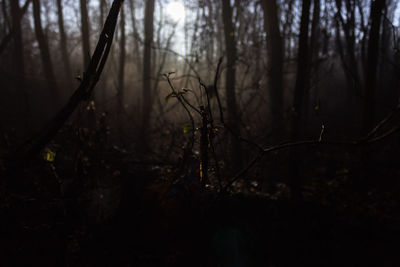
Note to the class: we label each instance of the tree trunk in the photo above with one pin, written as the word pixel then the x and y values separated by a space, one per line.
pixel 45 53
pixel 233 115
pixel 315 30
pixel 18 55
pixel 102 8
pixel 8 36
pixel 136 39
pixel 377 8
pixel 148 41
pixel 300 94
pixel 34 145
pixel 301 91
pixel 275 64
pixel 287 30
pixel 349 61
pixel 121 73
pixel 85 33
pixel 315 47
pixel 63 44
pixel 18 52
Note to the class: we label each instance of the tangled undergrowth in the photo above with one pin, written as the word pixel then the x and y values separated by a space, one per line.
pixel 83 203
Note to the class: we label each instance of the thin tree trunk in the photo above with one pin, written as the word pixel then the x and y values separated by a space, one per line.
pixel 275 64
pixel 8 37
pixel 302 63
pixel 348 29
pixel 45 53
pixel 121 73
pixel 63 43
pixel 5 16
pixel 315 27
pixel 315 47
pixel 300 94
pixel 102 86
pixel 377 7
pixel 85 33
pixel 136 39
pixel 231 54
pixel 102 8
pixel 18 52
pixel 287 30
pixel 148 41
pixel 18 55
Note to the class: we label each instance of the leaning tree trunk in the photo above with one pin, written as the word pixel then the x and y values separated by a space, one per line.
pixel 233 115
pixel 25 152
pixel 45 53
pixel 275 64
pixel 148 41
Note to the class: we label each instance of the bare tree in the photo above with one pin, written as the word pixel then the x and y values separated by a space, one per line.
pixel 18 55
pixel 303 63
pixel 300 94
pixel 45 52
pixel 136 38
pixel 275 63
pixel 377 8
pixel 18 52
pixel 231 54
pixel 102 9
pixel 148 40
pixel 63 42
pixel 85 33
pixel 347 52
pixel 121 72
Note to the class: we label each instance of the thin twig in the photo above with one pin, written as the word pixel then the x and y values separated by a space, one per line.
pixel 362 141
pixel 383 122
pixel 181 101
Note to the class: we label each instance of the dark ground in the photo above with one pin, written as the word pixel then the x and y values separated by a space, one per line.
pixel 107 209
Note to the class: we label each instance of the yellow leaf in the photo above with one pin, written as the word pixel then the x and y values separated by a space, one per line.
pixel 49 155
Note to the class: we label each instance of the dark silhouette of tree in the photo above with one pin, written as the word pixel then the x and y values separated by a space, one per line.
pixel 300 95
pixel 121 72
pixel 147 70
pixel 63 43
pixel 230 80
pixel 34 145
pixel 85 33
pixel 102 10
pixel 377 8
pixel 8 37
pixel 45 52
pixel 315 34
pixel 136 38
pixel 18 52
pixel 347 48
pixel 275 64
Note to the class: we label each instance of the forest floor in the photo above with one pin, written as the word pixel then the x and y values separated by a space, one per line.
pixel 117 211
